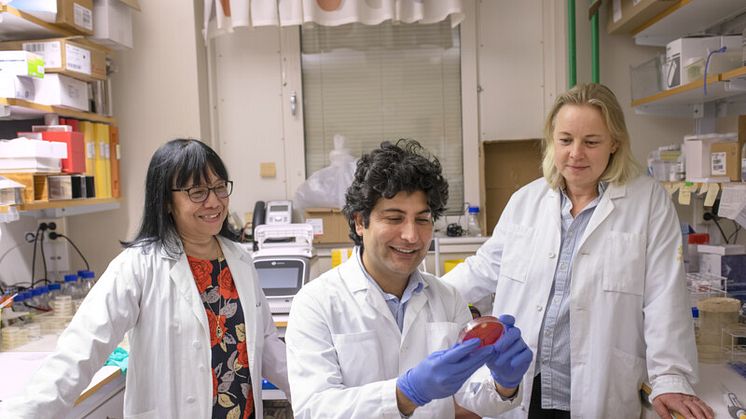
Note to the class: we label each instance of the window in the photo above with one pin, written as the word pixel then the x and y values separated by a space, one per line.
pixel 384 82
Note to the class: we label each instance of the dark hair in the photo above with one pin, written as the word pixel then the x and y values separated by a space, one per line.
pixel 392 168
pixel 176 164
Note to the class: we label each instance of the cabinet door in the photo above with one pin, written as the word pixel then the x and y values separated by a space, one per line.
pixel 521 64
pixel 254 79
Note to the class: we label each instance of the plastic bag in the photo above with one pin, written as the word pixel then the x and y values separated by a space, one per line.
pixel 326 188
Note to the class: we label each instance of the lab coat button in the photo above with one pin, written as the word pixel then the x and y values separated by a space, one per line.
pixel 539 308
pixel 195 344
pixel 552 255
pixel 191 399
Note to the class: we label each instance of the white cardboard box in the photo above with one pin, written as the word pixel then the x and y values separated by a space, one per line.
pixel 682 51
pixel 21 63
pixel 23 155
pixel 60 90
pixel 697 152
pixel 112 23
pixel 17 87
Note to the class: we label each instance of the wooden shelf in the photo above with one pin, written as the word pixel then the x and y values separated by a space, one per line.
pixel 17 24
pixel 23 109
pixel 693 93
pixel 686 17
pixel 67 203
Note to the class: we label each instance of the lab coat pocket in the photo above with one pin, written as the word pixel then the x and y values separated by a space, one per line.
pixel 624 264
pixel 150 414
pixel 359 357
pixel 516 257
pixel 624 389
pixel 441 335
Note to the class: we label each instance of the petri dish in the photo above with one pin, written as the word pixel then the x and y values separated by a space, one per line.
pixel 487 328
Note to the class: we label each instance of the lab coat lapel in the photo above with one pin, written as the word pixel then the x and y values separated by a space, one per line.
pixel 181 275
pixel 603 209
pixel 365 293
pixel 415 305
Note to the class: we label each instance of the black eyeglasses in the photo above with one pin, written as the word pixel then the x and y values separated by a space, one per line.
pixel 198 194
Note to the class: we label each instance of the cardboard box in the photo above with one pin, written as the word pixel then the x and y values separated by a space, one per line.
pixel 73 57
pixel 75 161
pixel 17 87
pixel 329 225
pixel 112 23
pixel 627 16
pixel 724 160
pixel 697 150
pixel 21 63
pixel 71 14
pixel 59 90
pixel 683 52
pixel 35 186
pixel 60 187
pixel 508 166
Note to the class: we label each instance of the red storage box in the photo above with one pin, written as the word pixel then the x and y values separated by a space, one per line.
pixel 75 161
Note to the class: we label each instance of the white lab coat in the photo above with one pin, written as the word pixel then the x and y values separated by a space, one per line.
pixel 629 309
pixel 155 298
pixel 345 350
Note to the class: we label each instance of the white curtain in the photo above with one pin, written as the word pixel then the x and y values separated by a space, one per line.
pixel 230 14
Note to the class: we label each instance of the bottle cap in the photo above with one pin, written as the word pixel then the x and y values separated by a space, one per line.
pixel 71 277
pixel 53 287
pixel 473 210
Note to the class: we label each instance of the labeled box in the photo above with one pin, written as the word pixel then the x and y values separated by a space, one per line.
pixel 724 160
pixel 684 53
pixel 75 161
pixel 73 57
pixel 17 87
pixel 60 90
pixel 329 225
pixel 71 14
pixel 60 187
pixel 21 63
pixel 113 23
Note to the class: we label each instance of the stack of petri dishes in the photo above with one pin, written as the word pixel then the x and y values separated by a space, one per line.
pixel 13 336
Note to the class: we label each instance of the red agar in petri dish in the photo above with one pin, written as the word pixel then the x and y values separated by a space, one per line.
pixel 487 328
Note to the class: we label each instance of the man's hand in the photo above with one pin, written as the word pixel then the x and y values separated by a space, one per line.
pixel 688 406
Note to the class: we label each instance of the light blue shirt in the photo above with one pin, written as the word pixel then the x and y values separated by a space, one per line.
pixel 553 354
pixel 397 306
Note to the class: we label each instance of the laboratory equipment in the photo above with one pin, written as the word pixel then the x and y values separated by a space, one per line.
pixel 715 314
pixel 283 261
pixel 735 408
pixel 279 212
pixel 487 328
pixel 472 223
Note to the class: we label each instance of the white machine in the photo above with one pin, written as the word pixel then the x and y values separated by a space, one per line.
pixel 283 262
pixel 279 212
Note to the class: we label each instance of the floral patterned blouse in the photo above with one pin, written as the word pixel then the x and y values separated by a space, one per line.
pixel 231 383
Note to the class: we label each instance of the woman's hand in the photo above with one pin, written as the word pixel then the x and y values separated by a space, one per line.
pixel 688 406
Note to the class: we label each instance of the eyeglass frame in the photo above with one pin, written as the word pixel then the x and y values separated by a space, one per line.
pixel 228 183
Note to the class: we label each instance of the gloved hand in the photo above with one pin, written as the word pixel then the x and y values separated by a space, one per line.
pixel 442 373
pixel 512 356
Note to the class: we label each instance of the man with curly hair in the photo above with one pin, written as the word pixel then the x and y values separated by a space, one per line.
pixel 375 337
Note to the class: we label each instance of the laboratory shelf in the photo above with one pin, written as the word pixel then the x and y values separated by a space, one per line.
pixel 66 207
pixel 719 86
pixel 16 24
pixel 23 109
pixel 686 17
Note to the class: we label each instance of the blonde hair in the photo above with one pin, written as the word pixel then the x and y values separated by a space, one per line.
pixel 622 166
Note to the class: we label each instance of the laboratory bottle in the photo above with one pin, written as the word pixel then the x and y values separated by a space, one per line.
pixel 70 286
pixel 743 163
pixel 472 224
pixel 55 289
pixel 88 279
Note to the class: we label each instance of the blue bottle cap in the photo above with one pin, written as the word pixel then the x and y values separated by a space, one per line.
pixel 71 278
pixel 88 274
pixel 473 210
pixel 55 286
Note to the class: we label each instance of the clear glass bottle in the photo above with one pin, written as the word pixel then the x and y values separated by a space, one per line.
pixel 473 228
pixel 70 286
pixel 88 279
pixel 743 163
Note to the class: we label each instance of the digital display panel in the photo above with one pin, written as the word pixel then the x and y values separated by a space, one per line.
pixel 278 277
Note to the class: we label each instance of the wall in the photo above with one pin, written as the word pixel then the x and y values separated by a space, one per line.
pixel 158 95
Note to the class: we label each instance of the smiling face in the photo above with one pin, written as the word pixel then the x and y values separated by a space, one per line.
pixel 582 146
pixel 199 222
pixel 397 237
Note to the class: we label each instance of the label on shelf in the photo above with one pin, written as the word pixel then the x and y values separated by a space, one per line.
pixel 78 59
pixel 83 16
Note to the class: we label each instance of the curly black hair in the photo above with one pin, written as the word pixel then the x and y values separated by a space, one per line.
pixel 390 169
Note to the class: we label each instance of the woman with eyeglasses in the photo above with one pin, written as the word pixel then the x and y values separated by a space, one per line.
pixel 200 332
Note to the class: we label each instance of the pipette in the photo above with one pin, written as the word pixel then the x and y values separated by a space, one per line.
pixel 735 408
